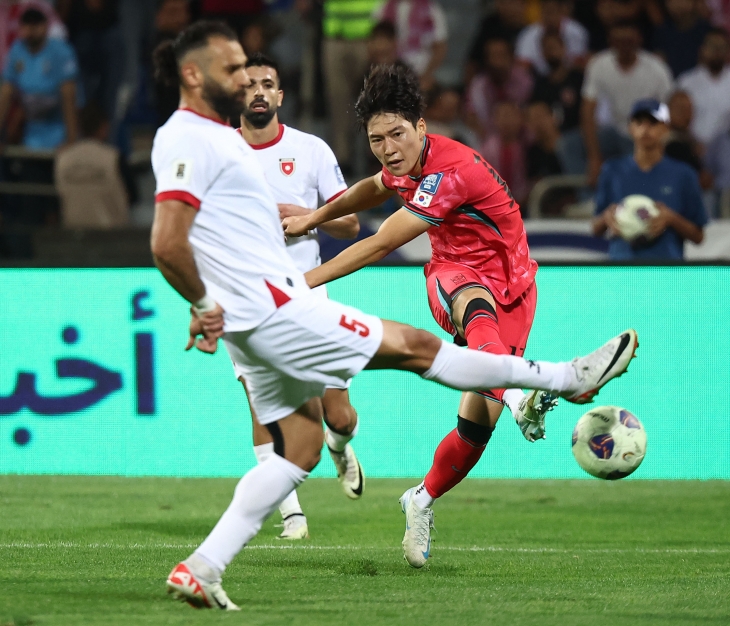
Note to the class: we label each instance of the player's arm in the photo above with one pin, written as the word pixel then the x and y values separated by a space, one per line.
pixel 173 256
pixel 363 195
pixel 398 229
pixel 345 227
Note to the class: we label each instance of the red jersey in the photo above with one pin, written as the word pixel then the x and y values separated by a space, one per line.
pixel 475 220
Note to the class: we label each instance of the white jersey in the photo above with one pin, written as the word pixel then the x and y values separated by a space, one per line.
pixel 301 169
pixel 236 236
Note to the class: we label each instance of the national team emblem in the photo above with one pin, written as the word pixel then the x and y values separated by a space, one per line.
pixel 431 183
pixel 287 166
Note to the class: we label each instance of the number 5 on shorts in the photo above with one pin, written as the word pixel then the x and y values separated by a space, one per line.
pixel 355 326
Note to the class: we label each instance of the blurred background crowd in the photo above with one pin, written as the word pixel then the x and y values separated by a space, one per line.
pixel 542 88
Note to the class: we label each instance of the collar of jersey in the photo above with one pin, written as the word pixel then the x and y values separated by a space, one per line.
pixel 207 117
pixel 273 142
pixel 424 155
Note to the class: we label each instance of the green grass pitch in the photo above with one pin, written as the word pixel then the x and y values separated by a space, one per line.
pixel 96 551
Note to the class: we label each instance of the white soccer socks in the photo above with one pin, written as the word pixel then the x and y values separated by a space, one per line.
pixel 290 505
pixel 257 496
pixel 471 370
pixel 336 441
pixel 512 399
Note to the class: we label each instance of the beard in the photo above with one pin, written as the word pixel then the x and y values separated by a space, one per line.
pixel 228 105
pixel 715 65
pixel 259 119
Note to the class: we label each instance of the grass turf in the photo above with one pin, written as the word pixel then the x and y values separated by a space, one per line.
pixel 96 550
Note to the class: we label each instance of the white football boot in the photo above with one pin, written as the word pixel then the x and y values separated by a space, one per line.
pixel 183 585
pixel 349 472
pixel 295 527
pixel 594 370
pixel 419 522
pixel 531 412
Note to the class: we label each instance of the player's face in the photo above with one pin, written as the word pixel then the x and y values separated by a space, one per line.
pixel 647 133
pixel 263 96
pixel 396 142
pixel 224 77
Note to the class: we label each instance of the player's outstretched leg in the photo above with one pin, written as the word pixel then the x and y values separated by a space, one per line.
pixel 298 442
pixel 341 426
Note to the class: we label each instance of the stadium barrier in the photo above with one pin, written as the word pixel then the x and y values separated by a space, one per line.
pixel 94 379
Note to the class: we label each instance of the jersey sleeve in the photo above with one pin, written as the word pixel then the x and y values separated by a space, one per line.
pixel 183 169
pixel 10 71
pixel 693 205
pixel 330 181
pixel 603 196
pixel 68 67
pixel 436 196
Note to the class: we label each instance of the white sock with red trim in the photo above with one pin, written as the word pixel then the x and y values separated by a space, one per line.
pixel 256 497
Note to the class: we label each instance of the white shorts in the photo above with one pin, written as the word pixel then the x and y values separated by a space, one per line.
pixel 310 343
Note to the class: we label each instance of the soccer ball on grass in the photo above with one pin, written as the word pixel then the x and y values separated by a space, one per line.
pixel 609 442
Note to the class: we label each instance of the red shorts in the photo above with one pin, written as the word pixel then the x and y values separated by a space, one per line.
pixel 444 281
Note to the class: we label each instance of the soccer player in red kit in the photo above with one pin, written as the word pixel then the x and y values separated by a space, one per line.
pixel 480 280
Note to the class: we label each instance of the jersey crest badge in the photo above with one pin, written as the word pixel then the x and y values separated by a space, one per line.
pixel 421 198
pixel 287 166
pixel 431 183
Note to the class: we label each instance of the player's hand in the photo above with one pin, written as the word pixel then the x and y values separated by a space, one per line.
pixel 609 215
pixel 661 222
pixel 210 326
pixel 296 225
pixel 292 210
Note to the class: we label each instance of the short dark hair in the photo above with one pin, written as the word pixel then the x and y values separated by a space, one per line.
pixel 384 29
pixel 259 59
pixel 31 17
pixel 167 56
pixel 390 89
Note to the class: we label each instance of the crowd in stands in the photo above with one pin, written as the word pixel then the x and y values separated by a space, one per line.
pixel 541 87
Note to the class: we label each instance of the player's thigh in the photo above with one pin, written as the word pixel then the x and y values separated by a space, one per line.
pixel 461 302
pixel 405 348
pixel 515 321
pixel 339 414
pixel 445 284
pixel 261 434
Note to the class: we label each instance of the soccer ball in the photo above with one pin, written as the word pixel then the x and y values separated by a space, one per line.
pixel 609 442
pixel 633 215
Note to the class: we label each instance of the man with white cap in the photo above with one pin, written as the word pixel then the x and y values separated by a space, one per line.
pixel 672 185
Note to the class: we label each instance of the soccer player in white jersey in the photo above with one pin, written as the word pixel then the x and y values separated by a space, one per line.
pixel 301 170
pixel 217 239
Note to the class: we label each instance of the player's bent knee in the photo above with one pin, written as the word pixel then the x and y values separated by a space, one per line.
pixel 341 419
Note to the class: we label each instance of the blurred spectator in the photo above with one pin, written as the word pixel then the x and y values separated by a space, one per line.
pixel 42 72
pixel 443 117
pixel 89 180
pixel 619 76
pixel 505 151
pixel 501 80
pixel 172 17
pixel 543 155
pixel 505 22
pixel 679 38
pixel 709 87
pixel 717 162
pixel 383 44
pixel 95 34
pixel 10 12
pixel 237 13
pixel 554 19
pixel 672 185
pixel 598 16
pixel 420 26
pixel 680 144
pixel 561 87
pixel 253 38
pixel 346 26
